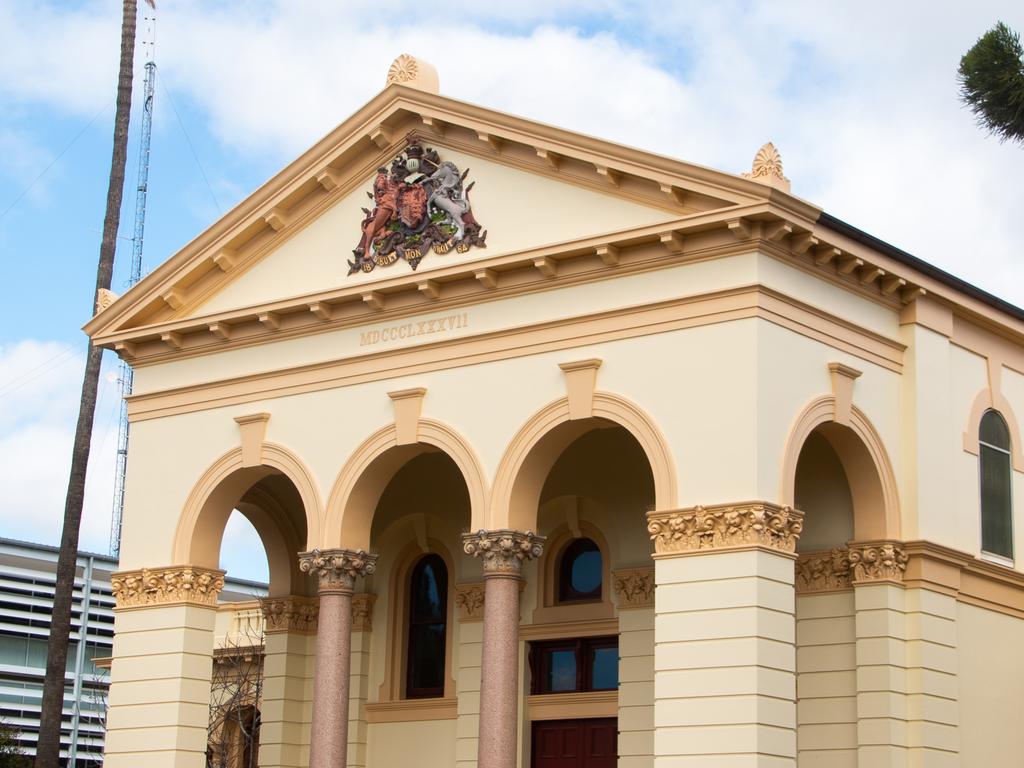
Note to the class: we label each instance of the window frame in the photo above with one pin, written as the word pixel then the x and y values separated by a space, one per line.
pixel 583 648
pixel 1005 455
pixel 408 691
pixel 564 592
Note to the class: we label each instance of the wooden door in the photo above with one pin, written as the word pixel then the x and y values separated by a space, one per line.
pixel 575 743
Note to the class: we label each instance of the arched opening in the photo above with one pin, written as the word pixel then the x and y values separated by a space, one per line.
pixel 589 484
pixel 421 508
pixel 994 463
pixel 839 488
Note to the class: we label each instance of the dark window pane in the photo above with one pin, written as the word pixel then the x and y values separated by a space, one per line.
pixel 561 666
pixel 429 584
pixel 579 574
pixel 996 522
pixel 604 673
pixel 428 615
pixel 994 430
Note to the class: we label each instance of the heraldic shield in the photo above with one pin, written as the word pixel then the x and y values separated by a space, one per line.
pixel 420 204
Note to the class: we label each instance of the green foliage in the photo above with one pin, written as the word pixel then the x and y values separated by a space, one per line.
pixel 992 82
pixel 11 755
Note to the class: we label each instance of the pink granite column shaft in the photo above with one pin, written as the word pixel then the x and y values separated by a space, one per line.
pixel 337 569
pixel 502 553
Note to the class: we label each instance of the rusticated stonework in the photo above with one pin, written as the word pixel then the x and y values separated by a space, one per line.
pixel 757 523
pixel 877 561
pixel 503 551
pixel 634 586
pixel 337 568
pixel 290 614
pixel 469 599
pixel 824 571
pixel 362 612
pixel 164 586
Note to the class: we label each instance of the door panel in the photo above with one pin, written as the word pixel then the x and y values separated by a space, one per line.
pixel 575 743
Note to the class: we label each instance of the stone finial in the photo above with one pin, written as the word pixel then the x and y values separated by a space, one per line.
pixel 503 551
pixel 767 168
pixel 104 298
pixel 337 568
pixel 412 72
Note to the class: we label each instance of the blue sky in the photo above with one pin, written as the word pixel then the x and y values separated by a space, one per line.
pixel 860 97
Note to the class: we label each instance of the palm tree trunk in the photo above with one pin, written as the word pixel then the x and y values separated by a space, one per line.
pixel 48 746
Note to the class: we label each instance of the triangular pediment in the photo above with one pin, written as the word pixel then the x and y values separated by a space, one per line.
pixel 536 189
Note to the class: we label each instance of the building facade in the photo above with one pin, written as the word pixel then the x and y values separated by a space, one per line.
pixel 27 581
pixel 563 453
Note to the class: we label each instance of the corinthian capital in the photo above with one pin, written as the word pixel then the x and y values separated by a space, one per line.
pixel 725 526
pixel 503 551
pixel 337 568
pixel 877 561
pixel 165 586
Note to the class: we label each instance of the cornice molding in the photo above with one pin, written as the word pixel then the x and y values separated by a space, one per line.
pixel 759 524
pixel 171 585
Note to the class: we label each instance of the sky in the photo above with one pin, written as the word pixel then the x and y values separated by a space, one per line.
pixel 859 97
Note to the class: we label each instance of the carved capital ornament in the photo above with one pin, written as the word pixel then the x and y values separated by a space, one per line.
pixel 362 612
pixel 337 568
pixel 167 586
pixel 847 566
pixel 725 526
pixel 469 599
pixel 503 551
pixel 290 614
pixel 634 586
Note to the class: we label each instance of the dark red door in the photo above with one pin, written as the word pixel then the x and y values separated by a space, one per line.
pixel 575 743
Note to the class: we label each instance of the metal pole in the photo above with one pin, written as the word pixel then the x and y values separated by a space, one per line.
pixel 83 631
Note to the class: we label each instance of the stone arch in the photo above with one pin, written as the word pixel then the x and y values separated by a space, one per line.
pixel 865 461
pixel 986 400
pixel 226 485
pixel 364 477
pixel 539 443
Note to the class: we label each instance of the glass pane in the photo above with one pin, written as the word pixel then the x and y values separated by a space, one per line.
pixel 994 431
pixel 426 657
pixel 586 571
pixel 605 670
pixel 429 587
pixel 561 671
pixel 996 522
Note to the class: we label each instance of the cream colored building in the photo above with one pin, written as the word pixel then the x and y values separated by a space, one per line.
pixel 678 470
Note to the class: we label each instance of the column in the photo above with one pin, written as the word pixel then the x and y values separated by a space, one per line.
pixel 159 701
pixel 880 602
pixel 724 659
pixel 289 656
pixel 502 553
pixel 337 570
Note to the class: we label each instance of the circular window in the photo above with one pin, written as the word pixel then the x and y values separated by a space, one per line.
pixel 579 576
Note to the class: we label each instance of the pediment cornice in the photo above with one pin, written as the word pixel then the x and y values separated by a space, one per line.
pixel 345 158
pixel 767 227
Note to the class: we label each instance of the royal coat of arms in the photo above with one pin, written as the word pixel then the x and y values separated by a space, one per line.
pixel 421 203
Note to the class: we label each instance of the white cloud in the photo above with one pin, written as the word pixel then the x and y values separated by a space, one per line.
pixel 241 552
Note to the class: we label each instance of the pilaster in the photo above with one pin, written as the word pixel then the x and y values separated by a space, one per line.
pixel 724 663
pixel 469 605
pixel 881 623
pixel 289 656
pixel 159 701
pixel 634 588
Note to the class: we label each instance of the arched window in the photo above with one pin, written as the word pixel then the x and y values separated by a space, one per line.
pixel 579 572
pixel 996 512
pixel 428 625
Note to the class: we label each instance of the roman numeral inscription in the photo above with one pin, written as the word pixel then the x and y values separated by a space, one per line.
pixel 414 328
